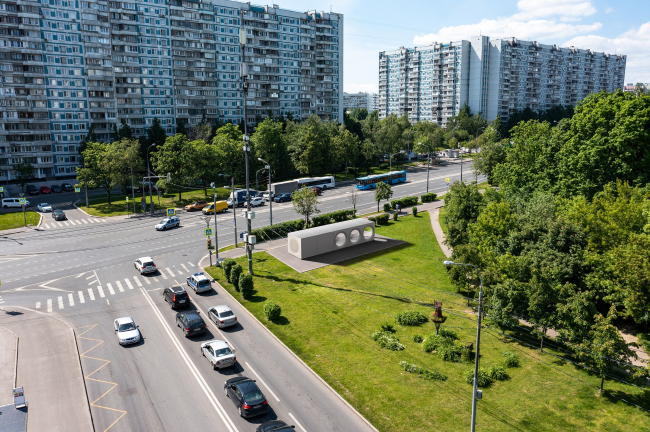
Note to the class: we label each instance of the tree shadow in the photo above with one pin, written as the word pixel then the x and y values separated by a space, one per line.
pixel 616 396
pixel 282 320
pixel 256 298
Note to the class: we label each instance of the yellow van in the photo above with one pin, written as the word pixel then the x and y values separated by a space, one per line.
pixel 221 206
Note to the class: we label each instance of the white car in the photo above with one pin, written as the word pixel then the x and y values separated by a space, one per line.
pixel 126 330
pixel 199 282
pixel 267 196
pixel 219 354
pixel 44 207
pixel 145 265
pixel 257 201
pixel 222 316
pixel 169 222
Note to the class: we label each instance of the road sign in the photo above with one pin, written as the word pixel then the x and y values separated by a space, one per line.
pixel 2 189
pixel 77 189
pixel 171 212
pixel 23 201
pixel 447 180
pixel 19 398
pixel 208 232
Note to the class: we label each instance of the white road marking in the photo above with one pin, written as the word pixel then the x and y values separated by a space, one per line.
pixel 155 279
pixel 183 265
pixel 84 221
pixel 147 281
pixel 176 282
pixel 79 275
pixel 193 265
pixel 91 294
pixel 91 276
pixel 67 223
pixel 297 422
pixel 163 276
pixel 119 286
pixel 171 273
pixel 38 305
pixel 135 278
pixel 49 305
pixel 92 220
pixel 110 289
pixel 60 302
pixel 101 291
pixel 71 299
pixel 92 282
pixel 262 381
pixel 128 283
pixel 81 297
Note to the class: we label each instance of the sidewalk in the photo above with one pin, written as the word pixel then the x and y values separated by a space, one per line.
pixel 7 365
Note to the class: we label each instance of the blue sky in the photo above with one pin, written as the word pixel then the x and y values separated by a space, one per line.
pixel 621 26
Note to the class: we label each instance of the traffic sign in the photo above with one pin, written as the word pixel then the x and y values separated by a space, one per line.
pixel 2 189
pixel 23 201
pixel 171 212
pixel 77 189
pixel 208 232
pixel 447 180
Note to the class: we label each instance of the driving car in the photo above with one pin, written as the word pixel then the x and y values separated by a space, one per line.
pixel 257 201
pixel 275 426
pixel 59 215
pixel 13 202
pixel 199 282
pixel 191 323
pixel 316 189
pixel 126 330
pixel 285 197
pixel 67 187
pixel 247 396
pixel 44 207
pixel 221 207
pixel 145 265
pixel 56 189
pixel 44 190
pixel 170 222
pixel 219 354
pixel 176 296
pixel 196 205
pixel 222 316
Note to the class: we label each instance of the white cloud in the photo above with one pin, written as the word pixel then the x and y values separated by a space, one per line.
pixel 609 10
pixel 568 10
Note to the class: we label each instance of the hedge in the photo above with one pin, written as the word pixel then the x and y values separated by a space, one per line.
pixel 246 285
pixel 404 202
pixel 386 207
pixel 283 228
pixel 235 273
pixel 272 310
pixel 429 197
pixel 382 219
pixel 411 318
pixel 227 267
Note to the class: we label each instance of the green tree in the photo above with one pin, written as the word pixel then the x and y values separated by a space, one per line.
pixel 156 134
pixel 492 153
pixel 271 145
pixel 391 133
pixel 383 192
pixel 305 202
pixel 24 171
pixel 201 159
pixel 180 128
pixel 173 158
pixel 97 168
pixel 125 130
pixel 229 151
pixel 462 207
pixel 345 148
pixel 119 158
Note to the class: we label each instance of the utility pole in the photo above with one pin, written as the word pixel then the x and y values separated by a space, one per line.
pixel 132 191
pixel 268 167
pixel 247 149
pixel 233 200
pixel 214 210
pixel 476 152
pixel 460 150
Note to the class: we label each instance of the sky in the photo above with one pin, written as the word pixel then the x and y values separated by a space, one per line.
pixel 616 27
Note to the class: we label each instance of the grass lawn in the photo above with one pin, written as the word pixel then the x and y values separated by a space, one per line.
pixel 443 224
pixel 16 219
pixel 100 206
pixel 329 314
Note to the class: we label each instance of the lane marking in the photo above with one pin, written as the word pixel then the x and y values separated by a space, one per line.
pixel 71 299
pixel 262 381
pixel 80 274
pixel 60 302
pixel 192 264
pixel 155 279
pixel 81 297
pixel 147 280
pixel 183 265
pixel 101 291
pixel 128 283
pixel 297 422
pixel 91 294
pixel 49 305
pixel 84 221
pixel 38 305
pixel 171 273
pixel 135 278
pixel 119 286
pixel 66 222
pixel 110 289
pixel 163 276
pixel 92 282
pixel 92 220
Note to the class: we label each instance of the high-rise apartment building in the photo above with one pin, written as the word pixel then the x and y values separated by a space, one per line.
pixel 493 77
pixel 360 100
pixel 68 65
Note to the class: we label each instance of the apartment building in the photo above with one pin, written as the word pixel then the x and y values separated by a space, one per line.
pixel 493 77
pixel 360 100
pixel 69 66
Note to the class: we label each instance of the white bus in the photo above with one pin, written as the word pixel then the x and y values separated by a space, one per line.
pixel 322 182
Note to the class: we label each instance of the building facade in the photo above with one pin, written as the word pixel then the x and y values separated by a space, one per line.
pixel 360 100
pixel 69 65
pixel 493 77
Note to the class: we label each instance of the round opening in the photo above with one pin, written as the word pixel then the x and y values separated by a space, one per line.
pixel 354 236
pixel 294 245
pixel 368 233
pixel 340 239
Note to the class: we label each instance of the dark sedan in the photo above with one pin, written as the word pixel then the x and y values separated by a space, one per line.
pixel 67 187
pixel 275 426
pixel 285 197
pixel 59 215
pixel 56 189
pixel 191 323
pixel 247 396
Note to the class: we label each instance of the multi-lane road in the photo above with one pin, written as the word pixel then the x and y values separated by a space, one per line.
pixel 82 272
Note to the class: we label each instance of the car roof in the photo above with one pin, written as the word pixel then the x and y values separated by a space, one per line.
pixel 239 380
pixel 145 259
pixel 58 211
pixel 177 289
pixel 218 344
pixel 200 276
pixel 125 320
pixel 191 315
pixel 222 308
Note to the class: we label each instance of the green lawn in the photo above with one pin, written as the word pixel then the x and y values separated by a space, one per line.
pixel 100 207
pixel 329 314
pixel 441 218
pixel 16 219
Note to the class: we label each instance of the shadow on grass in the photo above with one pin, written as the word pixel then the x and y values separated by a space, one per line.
pixel 642 399
pixel 256 298
pixel 281 321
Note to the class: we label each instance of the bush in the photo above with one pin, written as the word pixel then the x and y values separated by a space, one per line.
pixel 382 219
pixel 465 354
pixel 386 207
pixel 321 220
pixel 404 202
pixel 246 285
pixel 415 211
pixel 372 219
pixel 497 373
pixel 411 318
pixel 418 338
pixel 387 340
pixel 235 273
pixel 511 359
pixel 272 310
pixel 449 351
pixel 395 216
pixel 448 334
pixel 227 267
pixel 483 378
pixel 429 197
pixel 432 342
pixel 421 372
pixel 387 327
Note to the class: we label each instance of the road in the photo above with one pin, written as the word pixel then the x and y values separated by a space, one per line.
pixel 83 273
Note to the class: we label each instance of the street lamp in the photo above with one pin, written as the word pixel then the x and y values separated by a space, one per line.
pixel 428 162
pixel 214 211
pixel 149 176
pixel 268 167
pixel 476 151
pixel 477 394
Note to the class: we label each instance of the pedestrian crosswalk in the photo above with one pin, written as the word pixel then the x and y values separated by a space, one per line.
pixel 72 222
pixel 115 287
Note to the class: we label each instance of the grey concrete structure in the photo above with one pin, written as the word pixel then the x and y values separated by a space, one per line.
pixel 328 238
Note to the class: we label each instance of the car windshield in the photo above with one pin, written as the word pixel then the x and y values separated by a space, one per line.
pixel 253 396
pixel 226 314
pixel 44 205
pixel 164 221
pixel 222 352
pixel 58 212
pixel 147 264
pixel 126 327
pixel 204 282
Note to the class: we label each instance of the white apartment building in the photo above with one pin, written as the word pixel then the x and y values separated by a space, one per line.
pixel 67 66
pixel 493 77
pixel 360 100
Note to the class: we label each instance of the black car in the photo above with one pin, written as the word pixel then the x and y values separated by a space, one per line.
pixel 56 189
pixel 176 296
pixel 274 426
pixel 191 323
pixel 285 197
pixel 59 215
pixel 31 189
pixel 67 187
pixel 247 396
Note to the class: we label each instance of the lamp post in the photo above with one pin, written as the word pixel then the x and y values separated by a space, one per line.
pixel 214 211
pixel 428 162
pixel 476 151
pixel 268 167
pixel 477 394
pixel 390 162
pixel 149 176
pixel 257 178
pixel 247 149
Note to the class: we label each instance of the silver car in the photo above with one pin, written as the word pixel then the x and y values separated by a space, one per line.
pixel 44 207
pixel 219 354
pixel 126 330
pixel 222 316
pixel 145 265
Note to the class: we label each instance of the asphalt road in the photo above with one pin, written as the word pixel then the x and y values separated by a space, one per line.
pixel 83 273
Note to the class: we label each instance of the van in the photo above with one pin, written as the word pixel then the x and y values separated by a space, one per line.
pixel 12 202
pixel 221 206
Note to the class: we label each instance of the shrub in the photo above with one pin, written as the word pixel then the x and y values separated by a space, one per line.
pixel 272 310
pixel 417 338
pixel 246 285
pixel 321 220
pixel 235 272
pixel 395 216
pixel 497 373
pixel 511 359
pixel 448 334
pixel 382 219
pixel 387 327
pixel 432 342
pixel 387 340
pixel 411 318
pixel 372 219
pixel 421 372
pixel 415 211
pixel 449 351
pixel 227 267
pixel 429 197
pixel 404 202
pixel 483 378
pixel 465 354
pixel 386 207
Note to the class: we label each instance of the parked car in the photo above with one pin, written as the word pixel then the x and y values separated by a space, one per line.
pixel 199 282
pixel 170 222
pixel 176 296
pixel 44 190
pixel 56 189
pixel 222 316
pixel 221 207
pixel 196 205
pixel 275 426
pixel 219 354
pixel 145 265
pixel 247 396
pixel 13 202
pixel 267 195
pixel 67 187
pixel 191 323
pixel 44 207
pixel 285 197
pixel 31 189
pixel 126 330
pixel 257 201
pixel 58 215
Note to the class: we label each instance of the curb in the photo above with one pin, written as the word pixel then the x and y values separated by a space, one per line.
pixel 318 377
pixel 16 362
pixel 76 346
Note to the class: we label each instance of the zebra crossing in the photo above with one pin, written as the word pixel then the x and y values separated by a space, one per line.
pixel 115 287
pixel 72 222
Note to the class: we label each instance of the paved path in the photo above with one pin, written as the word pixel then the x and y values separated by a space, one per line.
pixel 7 364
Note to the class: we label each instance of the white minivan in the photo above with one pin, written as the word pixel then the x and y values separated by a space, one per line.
pixel 12 202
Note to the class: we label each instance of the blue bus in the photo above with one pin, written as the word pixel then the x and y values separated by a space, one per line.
pixel 370 182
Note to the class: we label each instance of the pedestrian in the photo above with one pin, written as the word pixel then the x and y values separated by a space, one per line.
pixel 397 208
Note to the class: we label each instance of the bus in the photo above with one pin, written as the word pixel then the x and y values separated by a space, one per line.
pixel 370 182
pixel 321 182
